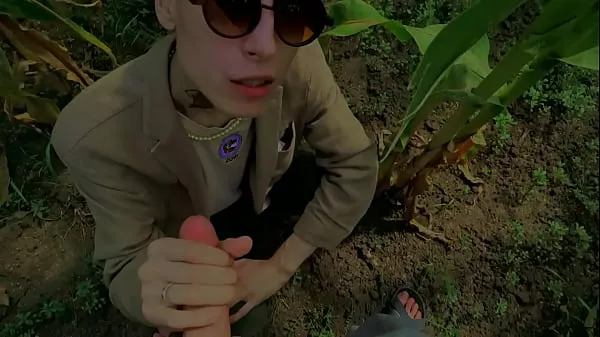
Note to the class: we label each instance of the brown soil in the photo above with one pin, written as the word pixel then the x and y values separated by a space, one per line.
pixel 41 257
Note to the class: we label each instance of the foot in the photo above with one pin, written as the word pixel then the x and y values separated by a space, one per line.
pixel 410 305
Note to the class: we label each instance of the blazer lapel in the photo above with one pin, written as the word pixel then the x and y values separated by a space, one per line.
pixel 161 121
pixel 267 127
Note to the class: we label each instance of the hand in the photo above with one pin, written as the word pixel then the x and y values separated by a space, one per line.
pixel 257 281
pixel 201 276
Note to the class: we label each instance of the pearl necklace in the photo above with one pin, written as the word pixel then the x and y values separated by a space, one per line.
pixel 231 125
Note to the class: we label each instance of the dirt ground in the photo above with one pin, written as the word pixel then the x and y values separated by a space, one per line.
pixel 45 251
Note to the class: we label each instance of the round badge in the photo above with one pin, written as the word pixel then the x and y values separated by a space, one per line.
pixel 230 146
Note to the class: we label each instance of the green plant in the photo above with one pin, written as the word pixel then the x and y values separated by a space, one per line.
pixel 518 232
pixel 556 288
pixel 503 123
pixel 89 297
pixel 540 177
pixel 501 307
pixel 455 67
pixel 559 175
pixel 37 60
pixel 52 309
pixel 512 277
pixel 321 322
pixel 583 241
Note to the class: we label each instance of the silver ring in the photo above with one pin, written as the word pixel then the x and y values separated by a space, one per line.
pixel 163 294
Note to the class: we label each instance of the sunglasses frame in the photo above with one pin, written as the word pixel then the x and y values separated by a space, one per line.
pixel 325 19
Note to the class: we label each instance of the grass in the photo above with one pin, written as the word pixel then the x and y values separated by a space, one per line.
pixel 320 322
pixel 89 298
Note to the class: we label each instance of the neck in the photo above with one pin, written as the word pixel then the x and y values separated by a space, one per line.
pixel 190 101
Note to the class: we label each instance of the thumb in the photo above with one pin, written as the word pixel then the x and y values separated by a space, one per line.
pixel 237 247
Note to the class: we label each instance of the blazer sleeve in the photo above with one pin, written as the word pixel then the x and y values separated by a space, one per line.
pixel 124 207
pixel 342 148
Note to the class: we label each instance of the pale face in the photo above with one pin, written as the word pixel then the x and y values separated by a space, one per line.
pixel 217 64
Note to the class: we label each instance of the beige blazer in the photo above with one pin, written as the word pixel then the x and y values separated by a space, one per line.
pixel 127 152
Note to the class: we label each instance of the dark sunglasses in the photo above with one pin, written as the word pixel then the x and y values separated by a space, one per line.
pixel 297 22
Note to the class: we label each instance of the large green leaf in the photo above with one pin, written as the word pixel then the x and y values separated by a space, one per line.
pixel 36 10
pixel 351 17
pixel 25 9
pixel 447 47
pixel 586 59
pixel 564 28
pixel 8 84
pixel 476 59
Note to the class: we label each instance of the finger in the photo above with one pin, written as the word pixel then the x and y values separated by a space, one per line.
pixel 242 312
pixel 190 294
pixel 237 247
pixel 182 319
pixel 179 250
pixel 187 273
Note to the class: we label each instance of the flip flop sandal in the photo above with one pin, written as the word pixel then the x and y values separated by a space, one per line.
pixel 395 308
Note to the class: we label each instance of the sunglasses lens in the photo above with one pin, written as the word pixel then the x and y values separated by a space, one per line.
pixel 232 18
pixel 298 22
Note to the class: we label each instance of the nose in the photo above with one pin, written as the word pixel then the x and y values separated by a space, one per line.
pixel 261 43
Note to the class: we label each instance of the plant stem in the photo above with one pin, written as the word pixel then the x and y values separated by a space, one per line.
pixel 402 136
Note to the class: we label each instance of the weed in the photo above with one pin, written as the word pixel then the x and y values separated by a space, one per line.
pixel 540 177
pixel 573 89
pixel 503 123
pixel 501 307
pixel 487 172
pixel 518 232
pixel 516 256
pixel 559 175
pixel 556 288
pixel 320 322
pixel 89 297
pixel 583 241
pixel 512 277
pixel 467 189
pixel 52 309
pixel 451 290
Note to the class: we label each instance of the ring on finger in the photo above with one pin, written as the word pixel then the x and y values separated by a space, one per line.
pixel 163 295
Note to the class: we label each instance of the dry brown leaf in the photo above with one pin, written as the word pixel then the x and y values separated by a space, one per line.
pixel 36 46
pixel 464 168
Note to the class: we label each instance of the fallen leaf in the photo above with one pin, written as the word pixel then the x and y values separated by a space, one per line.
pixel 464 168
pixel 36 46
pixel 4 177
pixel 42 110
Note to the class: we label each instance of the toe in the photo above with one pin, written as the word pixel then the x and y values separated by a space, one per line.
pixel 419 315
pixel 409 304
pixel 403 297
pixel 414 310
